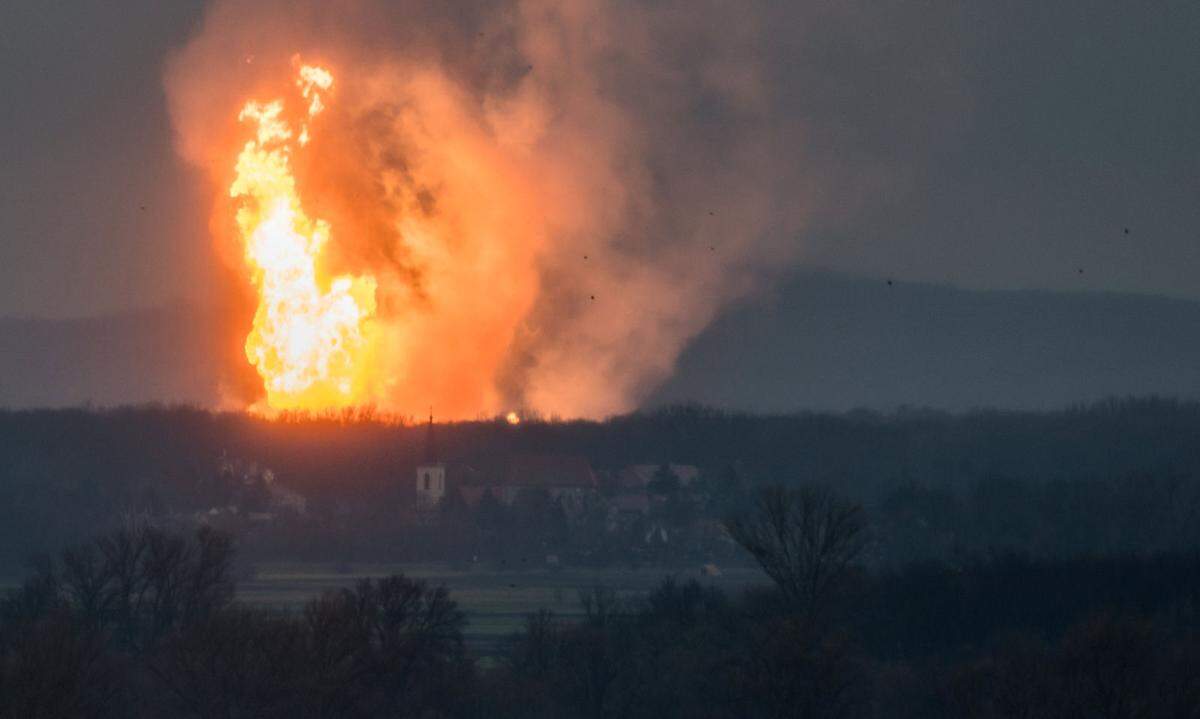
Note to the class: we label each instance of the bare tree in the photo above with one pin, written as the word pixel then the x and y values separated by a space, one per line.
pixel 147 583
pixel 238 662
pixel 804 539
pixel 390 646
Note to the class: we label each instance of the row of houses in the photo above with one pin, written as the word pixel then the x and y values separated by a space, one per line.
pixel 567 479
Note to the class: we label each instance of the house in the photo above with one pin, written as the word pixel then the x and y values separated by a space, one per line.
pixel 637 476
pixel 256 488
pixel 566 479
pixel 633 497
pixel 625 509
pixel 630 503
pixel 286 500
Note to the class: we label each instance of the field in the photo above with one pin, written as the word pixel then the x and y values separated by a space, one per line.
pixel 496 601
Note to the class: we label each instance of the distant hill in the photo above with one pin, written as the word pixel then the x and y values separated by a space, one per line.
pixel 819 341
pixel 827 341
pixel 161 355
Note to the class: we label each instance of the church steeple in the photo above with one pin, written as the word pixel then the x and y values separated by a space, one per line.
pixel 431 455
pixel 431 475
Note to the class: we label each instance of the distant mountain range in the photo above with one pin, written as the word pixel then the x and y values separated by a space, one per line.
pixel 819 341
pixel 161 355
pixel 827 341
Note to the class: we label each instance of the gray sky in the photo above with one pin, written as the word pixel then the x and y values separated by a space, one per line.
pixel 983 144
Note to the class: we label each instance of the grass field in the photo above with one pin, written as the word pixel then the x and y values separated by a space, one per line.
pixel 496 601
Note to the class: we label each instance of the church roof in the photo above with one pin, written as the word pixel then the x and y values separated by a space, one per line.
pixel 549 470
pixel 639 475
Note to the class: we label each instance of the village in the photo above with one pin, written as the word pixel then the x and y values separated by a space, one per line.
pixel 527 509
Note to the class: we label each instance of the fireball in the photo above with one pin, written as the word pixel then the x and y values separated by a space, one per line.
pixel 514 210
pixel 311 340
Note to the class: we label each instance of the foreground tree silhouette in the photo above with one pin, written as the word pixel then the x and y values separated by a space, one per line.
pixel 142 622
pixel 84 635
pixel 805 539
pixel 143 584
pixel 239 662
pixel 51 665
pixel 388 647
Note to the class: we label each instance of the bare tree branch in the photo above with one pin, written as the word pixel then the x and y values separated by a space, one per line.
pixel 805 539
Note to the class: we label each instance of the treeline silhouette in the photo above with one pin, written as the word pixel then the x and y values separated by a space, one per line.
pixel 1116 476
pixel 142 623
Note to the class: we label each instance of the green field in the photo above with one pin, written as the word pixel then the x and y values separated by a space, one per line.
pixel 495 601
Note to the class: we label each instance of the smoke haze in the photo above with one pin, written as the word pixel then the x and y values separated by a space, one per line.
pixel 552 196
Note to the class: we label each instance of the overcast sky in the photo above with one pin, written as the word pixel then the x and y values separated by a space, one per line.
pixel 957 142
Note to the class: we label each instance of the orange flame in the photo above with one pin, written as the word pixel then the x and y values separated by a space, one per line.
pixel 515 211
pixel 311 344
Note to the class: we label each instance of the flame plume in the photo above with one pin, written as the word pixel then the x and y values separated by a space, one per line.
pixel 310 344
pixel 485 205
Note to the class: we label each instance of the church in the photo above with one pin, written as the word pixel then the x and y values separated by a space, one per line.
pixel 431 474
pixel 567 479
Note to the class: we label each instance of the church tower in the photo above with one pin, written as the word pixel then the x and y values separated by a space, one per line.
pixel 431 473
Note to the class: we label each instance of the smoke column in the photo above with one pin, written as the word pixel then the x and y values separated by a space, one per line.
pixel 552 197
